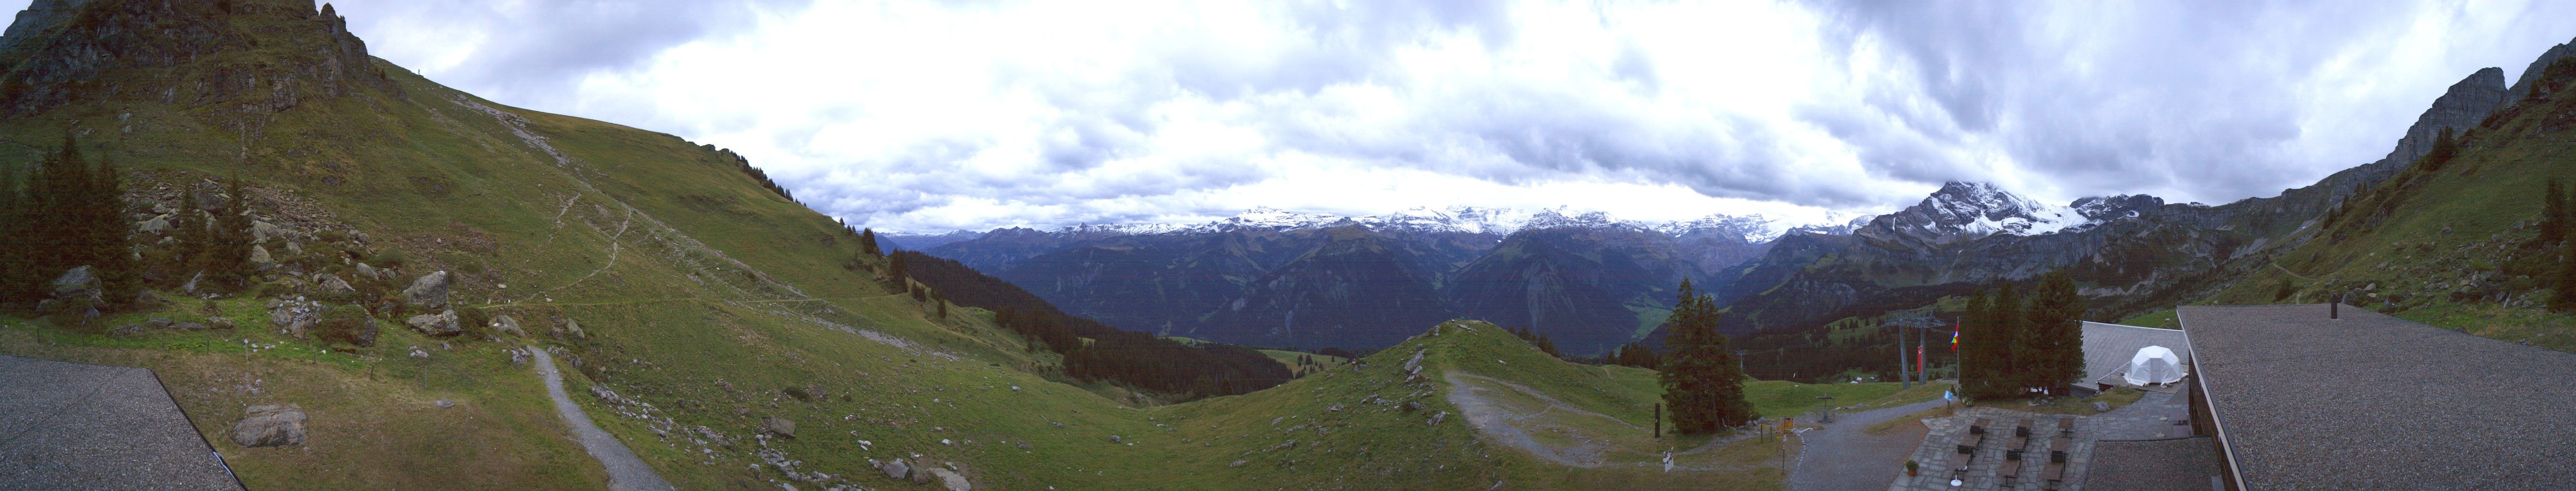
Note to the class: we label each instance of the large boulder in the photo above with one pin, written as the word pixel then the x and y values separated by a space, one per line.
pixel 778 426
pixel 262 231
pixel 951 479
pixel 259 257
pixel 509 325
pixel 269 426
pixel 156 226
pixel 571 329
pixel 80 282
pixel 369 272
pixel 895 468
pixel 428 291
pixel 439 324
pixel 333 284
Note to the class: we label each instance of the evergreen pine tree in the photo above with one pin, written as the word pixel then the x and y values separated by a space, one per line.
pixel 2553 214
pixel 16 277
pixel 1702 385
pixel 2008 322
pixel 868 243
pixel 1977 368
pixel 2052 342
pixel 228 245
pixel 109 235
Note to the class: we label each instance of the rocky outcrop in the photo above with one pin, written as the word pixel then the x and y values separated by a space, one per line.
pixel 60 52
pixel 508 325
pixel 269 426
pixel 333 284
pixel 2459 109
pixel 439 324
pixel 777 426
pixel 430 291
pixel 39 15
pixel 2522 85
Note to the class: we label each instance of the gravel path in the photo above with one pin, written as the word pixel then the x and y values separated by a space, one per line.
pixel 1840 456
pixel 625 472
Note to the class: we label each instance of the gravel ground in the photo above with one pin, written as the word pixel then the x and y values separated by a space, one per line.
pixel 1840 456
pixel 625 472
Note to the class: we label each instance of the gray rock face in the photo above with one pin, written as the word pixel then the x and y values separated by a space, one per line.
pixel 2099 406
pixel 156 226
pixel 951 479
pixel 2467 103
pixel 262 231
pixel 218 323
pixel 334 284
pixel 509 325
pixel 571 329
pixel 895 468
pixel 39 15
pixel 259 256
pixel 778 426
pixel 2522 86
pixel 369 272
pixel 921 472
pixel 428 291
pixel 269 426
pixel 80 282
pixel 440 324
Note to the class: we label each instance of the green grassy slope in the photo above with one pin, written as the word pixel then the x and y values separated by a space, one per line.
pixel 2452 247
pixel 701 299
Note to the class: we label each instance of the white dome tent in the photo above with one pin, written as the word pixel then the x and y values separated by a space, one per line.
pixel 2154 365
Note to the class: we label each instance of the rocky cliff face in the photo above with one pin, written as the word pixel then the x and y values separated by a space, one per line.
pixel 2133 252
pixel 39 15
pixel 2522 86
pixel 196 53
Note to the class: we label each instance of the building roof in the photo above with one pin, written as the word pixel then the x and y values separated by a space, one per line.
pixel 76 426
pixel 2108 348
pixel 2376 402
pixel 2152 465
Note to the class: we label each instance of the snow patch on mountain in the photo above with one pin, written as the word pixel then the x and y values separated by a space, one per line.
pixel 1980 209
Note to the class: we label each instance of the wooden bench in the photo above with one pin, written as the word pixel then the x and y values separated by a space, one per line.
pixel 2011 471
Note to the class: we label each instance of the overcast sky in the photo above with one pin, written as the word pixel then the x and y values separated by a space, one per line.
pixel 931 116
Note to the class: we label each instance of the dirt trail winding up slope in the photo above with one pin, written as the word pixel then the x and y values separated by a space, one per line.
pixel 625 471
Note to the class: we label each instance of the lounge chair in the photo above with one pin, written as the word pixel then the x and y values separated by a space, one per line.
pixel 2011 471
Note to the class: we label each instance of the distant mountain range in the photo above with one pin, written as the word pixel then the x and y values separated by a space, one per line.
pixel 1592 281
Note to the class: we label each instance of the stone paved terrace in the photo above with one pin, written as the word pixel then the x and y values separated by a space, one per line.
pixel 2152 417
pixel 1947 432
pixel 70 426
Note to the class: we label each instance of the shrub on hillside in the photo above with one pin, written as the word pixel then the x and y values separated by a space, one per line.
pixel 347 324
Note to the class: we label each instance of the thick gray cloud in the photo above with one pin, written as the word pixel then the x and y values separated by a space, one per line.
pixel 926 115
pixel 537 51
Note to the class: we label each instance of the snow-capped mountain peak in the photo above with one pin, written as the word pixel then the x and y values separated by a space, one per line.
pixel 1980 209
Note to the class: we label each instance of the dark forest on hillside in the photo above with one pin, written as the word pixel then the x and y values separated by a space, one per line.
pixel 1134 359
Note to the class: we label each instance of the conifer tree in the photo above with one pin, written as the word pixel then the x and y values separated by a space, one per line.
pixel 228 244
pixel 105 232
pixel 1977 370
pixel 1701 382
pixel 2052 341
pixel 868 243
pixel 16 277
pixel 2553 214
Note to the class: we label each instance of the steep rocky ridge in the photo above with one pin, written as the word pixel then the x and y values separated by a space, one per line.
pixel 2131 252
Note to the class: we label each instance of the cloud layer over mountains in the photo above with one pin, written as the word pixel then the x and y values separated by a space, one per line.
pixel 928 116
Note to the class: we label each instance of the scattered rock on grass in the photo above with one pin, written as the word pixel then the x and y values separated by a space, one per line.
pixel 428 291
pixel 774 425
pixel 269 426
pixel 440 324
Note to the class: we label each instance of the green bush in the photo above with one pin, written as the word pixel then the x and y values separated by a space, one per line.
pixel 390 258
pixel 347 324
pixel 270 289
